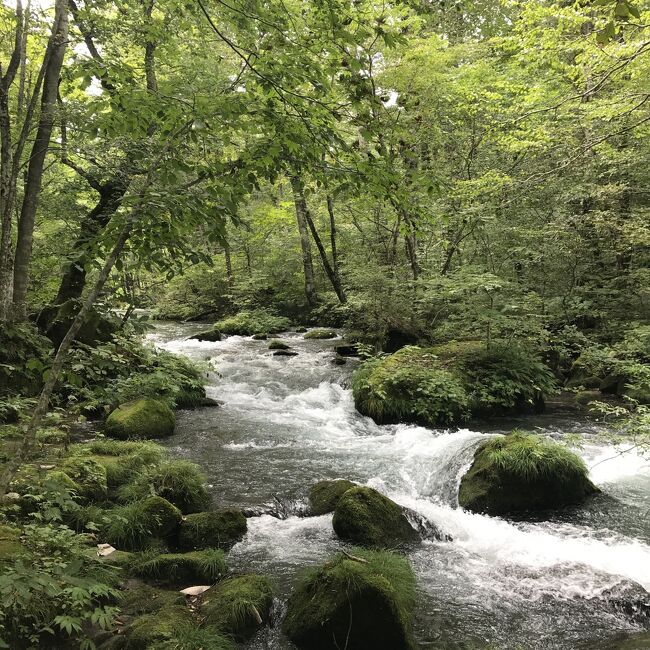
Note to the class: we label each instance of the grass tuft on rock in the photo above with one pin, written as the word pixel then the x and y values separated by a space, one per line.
pixel 522 471
pixel 238 606
pixel 195 567
pixel 360 603
pixel 142 418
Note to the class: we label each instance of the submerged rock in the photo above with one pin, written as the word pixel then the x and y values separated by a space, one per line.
pixel 221 529
pixel 142 418
pixel 285 353
pixel 339 360
pixel 324 495
pixel 238 606
pixel 346 350
pixel 208 335
pixel 359 601
pixel 523 472
pixel 364 516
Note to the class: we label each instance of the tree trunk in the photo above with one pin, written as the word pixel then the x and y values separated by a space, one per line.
pixel 56 45
pixel 226 252
pixel 305 244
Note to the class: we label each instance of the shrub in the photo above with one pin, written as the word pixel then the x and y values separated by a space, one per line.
pixel 247 323
pixel 195 567
pixel 179 481
pixel 24 355
pixel 523 472
pixel 238 606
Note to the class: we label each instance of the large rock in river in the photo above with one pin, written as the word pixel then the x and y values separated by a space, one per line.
pixel 324 495
pixel 523 472
pixel 142 418
pixel 364 516
pixel 221 529
pixel 357 601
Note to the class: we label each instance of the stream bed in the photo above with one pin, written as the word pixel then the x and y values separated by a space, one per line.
pixel 574 580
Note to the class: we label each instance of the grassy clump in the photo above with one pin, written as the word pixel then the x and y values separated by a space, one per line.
pixel 179 481
pixel 190 637
pixel 146 599
pixel 238 606
pixel 275 344
pixel 10 546
pixel 364 516
pixel 195 567
pixel 154 630
pixel 88 475
pixel 220 529
pixel 247 323
pixel 135 526
pixel 450 383
pixel 354 604
pixel 143 418
pixel 523 472
pixel 320 333
pixel 324 495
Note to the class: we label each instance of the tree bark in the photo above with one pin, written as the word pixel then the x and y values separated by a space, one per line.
pixel 305 244
pixel 56 46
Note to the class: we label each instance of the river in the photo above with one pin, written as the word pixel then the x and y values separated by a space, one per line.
pixel 562 583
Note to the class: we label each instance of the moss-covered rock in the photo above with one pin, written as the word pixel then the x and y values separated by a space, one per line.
pixel 320 333
pixel 89 476
pixel 354 604
pixel 153 630
pixel 450 383
pixel 238 606
pixel 364 516
pixel 179 481
pixel 523 472
pixel 142 418
pixel 249 323
pixel 195 567
pixel 221 529
pixel 140 524
pixel 275 344
pixel 208 335
pixel 146 599
pixel 324 495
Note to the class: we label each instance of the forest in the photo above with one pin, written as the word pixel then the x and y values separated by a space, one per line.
pixel 325 324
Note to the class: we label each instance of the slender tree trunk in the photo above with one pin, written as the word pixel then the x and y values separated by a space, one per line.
pixel 305 244
pixel 57 46
pixel 226 253
pixel 411 241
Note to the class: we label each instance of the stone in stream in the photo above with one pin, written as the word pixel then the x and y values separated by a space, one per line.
pixel 221 529
pixel 320 333
pixel 364 516
pixel 142 418
pixel 285 353
pixel 346 350
pixel 339 360
pixel 208 335
pixel 523 472
pixel 259 337
pixel 238 606
pixel 360 600
pixel 324 495
pixel 275 344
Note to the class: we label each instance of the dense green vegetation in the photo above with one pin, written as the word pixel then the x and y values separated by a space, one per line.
pixel 459 190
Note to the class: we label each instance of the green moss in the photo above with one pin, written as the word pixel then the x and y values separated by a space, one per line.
pixel 354 604
pixel 208 335
pixel 191 637
pixel 193 568
pixel 324 495
pixel 179 481
pixel 247 323
pixel 143 418
pixel 10 546
pixel 366 517
pixel 320 333
pixel 89 475
pixel 220 529
pixel 278 345
pixel 146 599
pixel 153 630
pixel 238 606
pixel 523 472
pixel 448 384
pixel 137 525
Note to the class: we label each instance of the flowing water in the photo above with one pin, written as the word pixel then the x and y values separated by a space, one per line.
pixel 576 579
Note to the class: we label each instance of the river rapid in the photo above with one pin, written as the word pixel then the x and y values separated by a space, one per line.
pixel 574 580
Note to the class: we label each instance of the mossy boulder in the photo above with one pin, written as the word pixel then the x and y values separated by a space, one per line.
pixel 451 383
pixel 179 481
pixel 238 606
pixel 320 333
pixel 88 475
pixel 260 337
pixel 324 495
pixel 356 604
pixel 154 630
pixel 140 524
pixel 221 529
pixel 523 472
pixel 208 335
pixel 364 516
pixel 193 568
pixel 142 418
pixel 275 344
pixel 249 323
